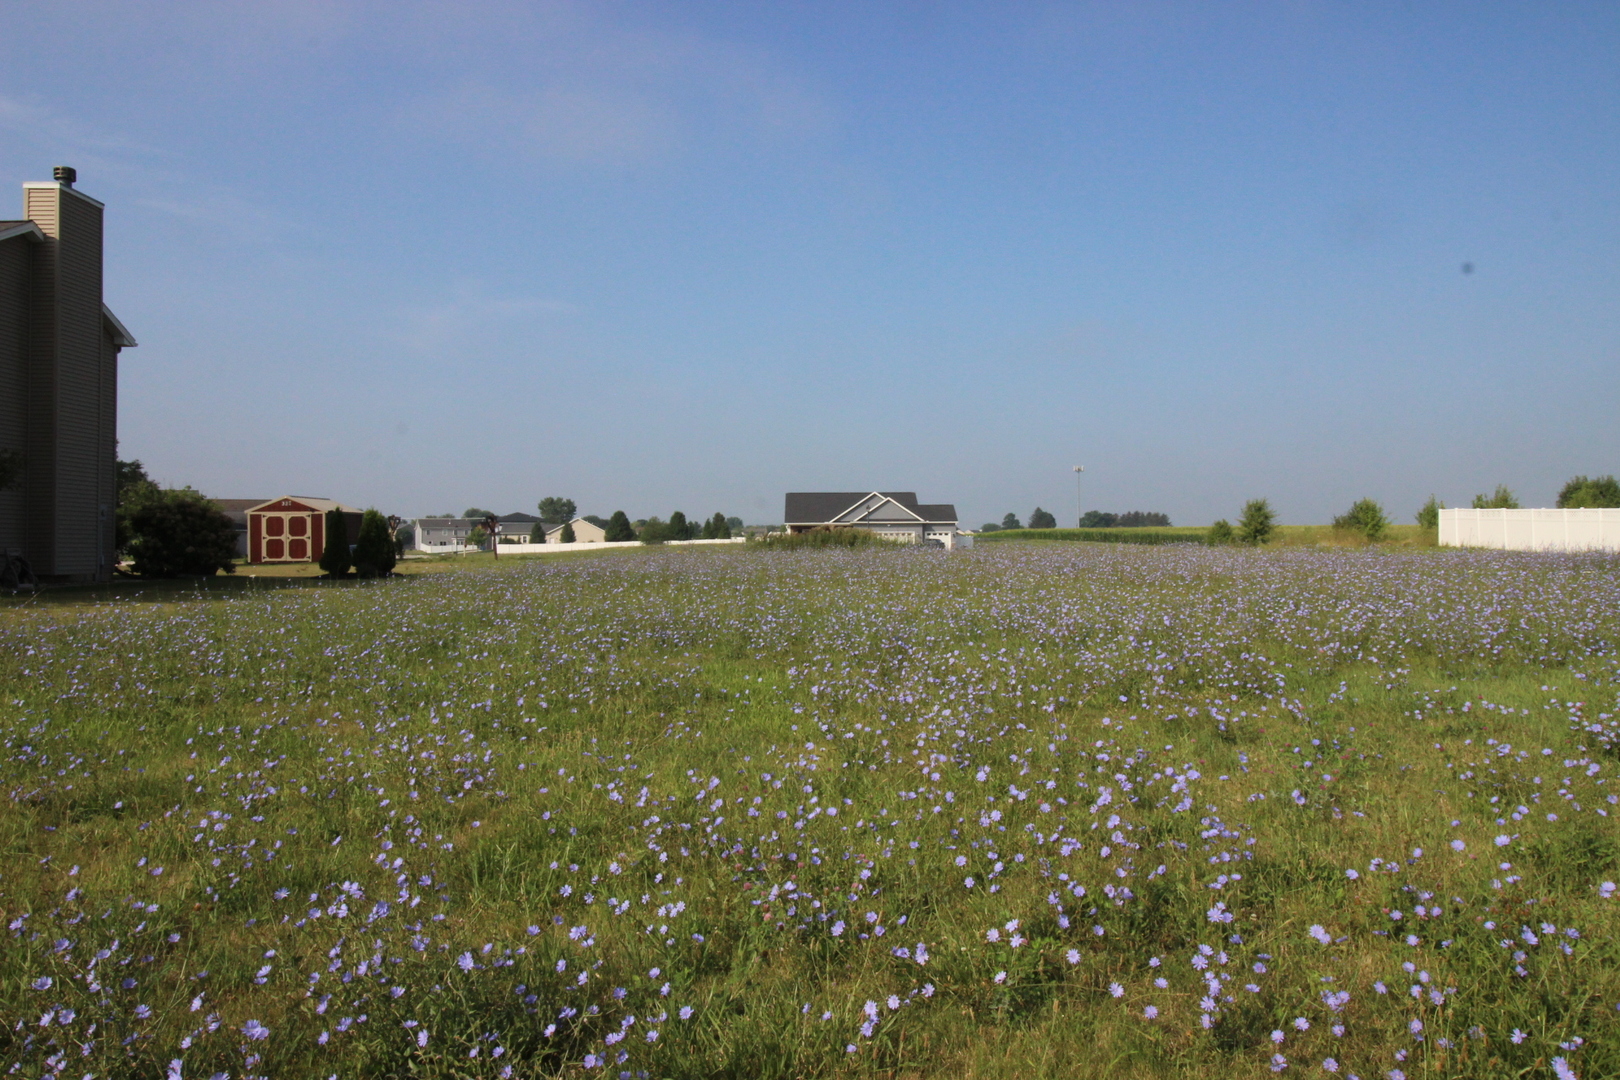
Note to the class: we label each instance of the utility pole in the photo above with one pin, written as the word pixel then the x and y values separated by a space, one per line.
pixel 1079 471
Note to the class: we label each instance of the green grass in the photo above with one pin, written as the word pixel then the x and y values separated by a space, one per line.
pixel 537 740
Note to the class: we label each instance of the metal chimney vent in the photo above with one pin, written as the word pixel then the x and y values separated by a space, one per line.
pixel 65 175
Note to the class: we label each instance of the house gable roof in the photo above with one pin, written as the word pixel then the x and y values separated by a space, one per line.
pixel 850 507
pixel 301 503
pixel 116 330
pixel 8 229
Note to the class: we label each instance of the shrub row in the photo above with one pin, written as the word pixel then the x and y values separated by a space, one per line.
pixel 1147 535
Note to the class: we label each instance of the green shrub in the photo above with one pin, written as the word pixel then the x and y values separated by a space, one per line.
pixel 822 536
pixel 374 548
pixel 1259 521
pixel 180 532
pixel 1502 499
pixel 1429 516
pixel 335 556
pixel 1219 533
pixel 1365 517
pixel 1585 493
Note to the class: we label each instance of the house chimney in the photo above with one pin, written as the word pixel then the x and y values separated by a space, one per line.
pixel 65 175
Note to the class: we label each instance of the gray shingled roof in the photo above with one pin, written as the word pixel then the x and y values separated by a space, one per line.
pixel 804 507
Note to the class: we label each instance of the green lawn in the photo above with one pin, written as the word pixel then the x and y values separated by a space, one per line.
pixel 1027 810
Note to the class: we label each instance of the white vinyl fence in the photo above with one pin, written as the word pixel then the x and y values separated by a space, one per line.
pixel 1532 530
pixel 563 549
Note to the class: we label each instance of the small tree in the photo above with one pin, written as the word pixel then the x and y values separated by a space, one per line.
pixel 1259 521
pixel 1011 522
pixel 404 537
pixel 1590 492
pixel 537 534
pixel 677 529
pixel 567 536
pixel 1502 499
pixel 180 532
pixel 618 528
pixel 989 526
pixel 554 510
pixel 1429 516
pixel 1365 517
pixel 335 556
pixel 1042 519
pixel 373 548
pixel 1219 533
pixel 722 526
pixel 653 531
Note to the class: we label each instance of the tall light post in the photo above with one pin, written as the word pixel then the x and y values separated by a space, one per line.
pixel 1079 471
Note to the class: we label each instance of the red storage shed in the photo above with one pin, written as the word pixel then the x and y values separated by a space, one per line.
pixel 293 529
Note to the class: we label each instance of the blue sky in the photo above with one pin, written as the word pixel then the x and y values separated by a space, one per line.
pixel 691 256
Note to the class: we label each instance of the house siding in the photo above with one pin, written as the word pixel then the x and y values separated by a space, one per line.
pixel 72 395
pixel 16 261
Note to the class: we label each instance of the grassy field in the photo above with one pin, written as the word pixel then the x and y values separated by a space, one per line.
pixel 1284 536
pixel 1029 810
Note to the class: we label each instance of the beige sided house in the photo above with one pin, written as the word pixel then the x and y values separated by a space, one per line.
pixel 893 515
pixel 59 349
pixel 584 533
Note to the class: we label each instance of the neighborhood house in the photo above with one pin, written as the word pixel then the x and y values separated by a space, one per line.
pixel 59 348
pixel 894 515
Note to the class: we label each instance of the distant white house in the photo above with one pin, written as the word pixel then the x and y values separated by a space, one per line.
pixel 1531 530
pixel 893 515
pixel 585 532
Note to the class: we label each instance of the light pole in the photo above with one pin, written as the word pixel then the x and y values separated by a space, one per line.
pixel 1079 471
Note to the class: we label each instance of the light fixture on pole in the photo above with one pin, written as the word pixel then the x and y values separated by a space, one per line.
pixel 1079 470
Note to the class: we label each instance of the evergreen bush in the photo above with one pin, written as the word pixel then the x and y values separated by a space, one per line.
pixel 335 556
pixel 1365 517
pixel 1501 499
pixel 1259 521
pixel 374 548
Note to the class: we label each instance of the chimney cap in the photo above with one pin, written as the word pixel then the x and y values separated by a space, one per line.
pixel 65 174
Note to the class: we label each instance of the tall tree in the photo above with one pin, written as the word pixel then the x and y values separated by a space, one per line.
pixel 1042 519
pixel 374 548
pixel 335 555
pixel 1011 522
pixel 554 510
pixel 1583 492
pixel 721 527
pixel 677 527
pixel 618 528
pixel 1259 521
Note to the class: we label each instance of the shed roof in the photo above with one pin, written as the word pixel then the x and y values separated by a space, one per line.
pixel 322 505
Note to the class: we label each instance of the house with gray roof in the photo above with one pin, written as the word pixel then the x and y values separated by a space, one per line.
pixel 894 515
